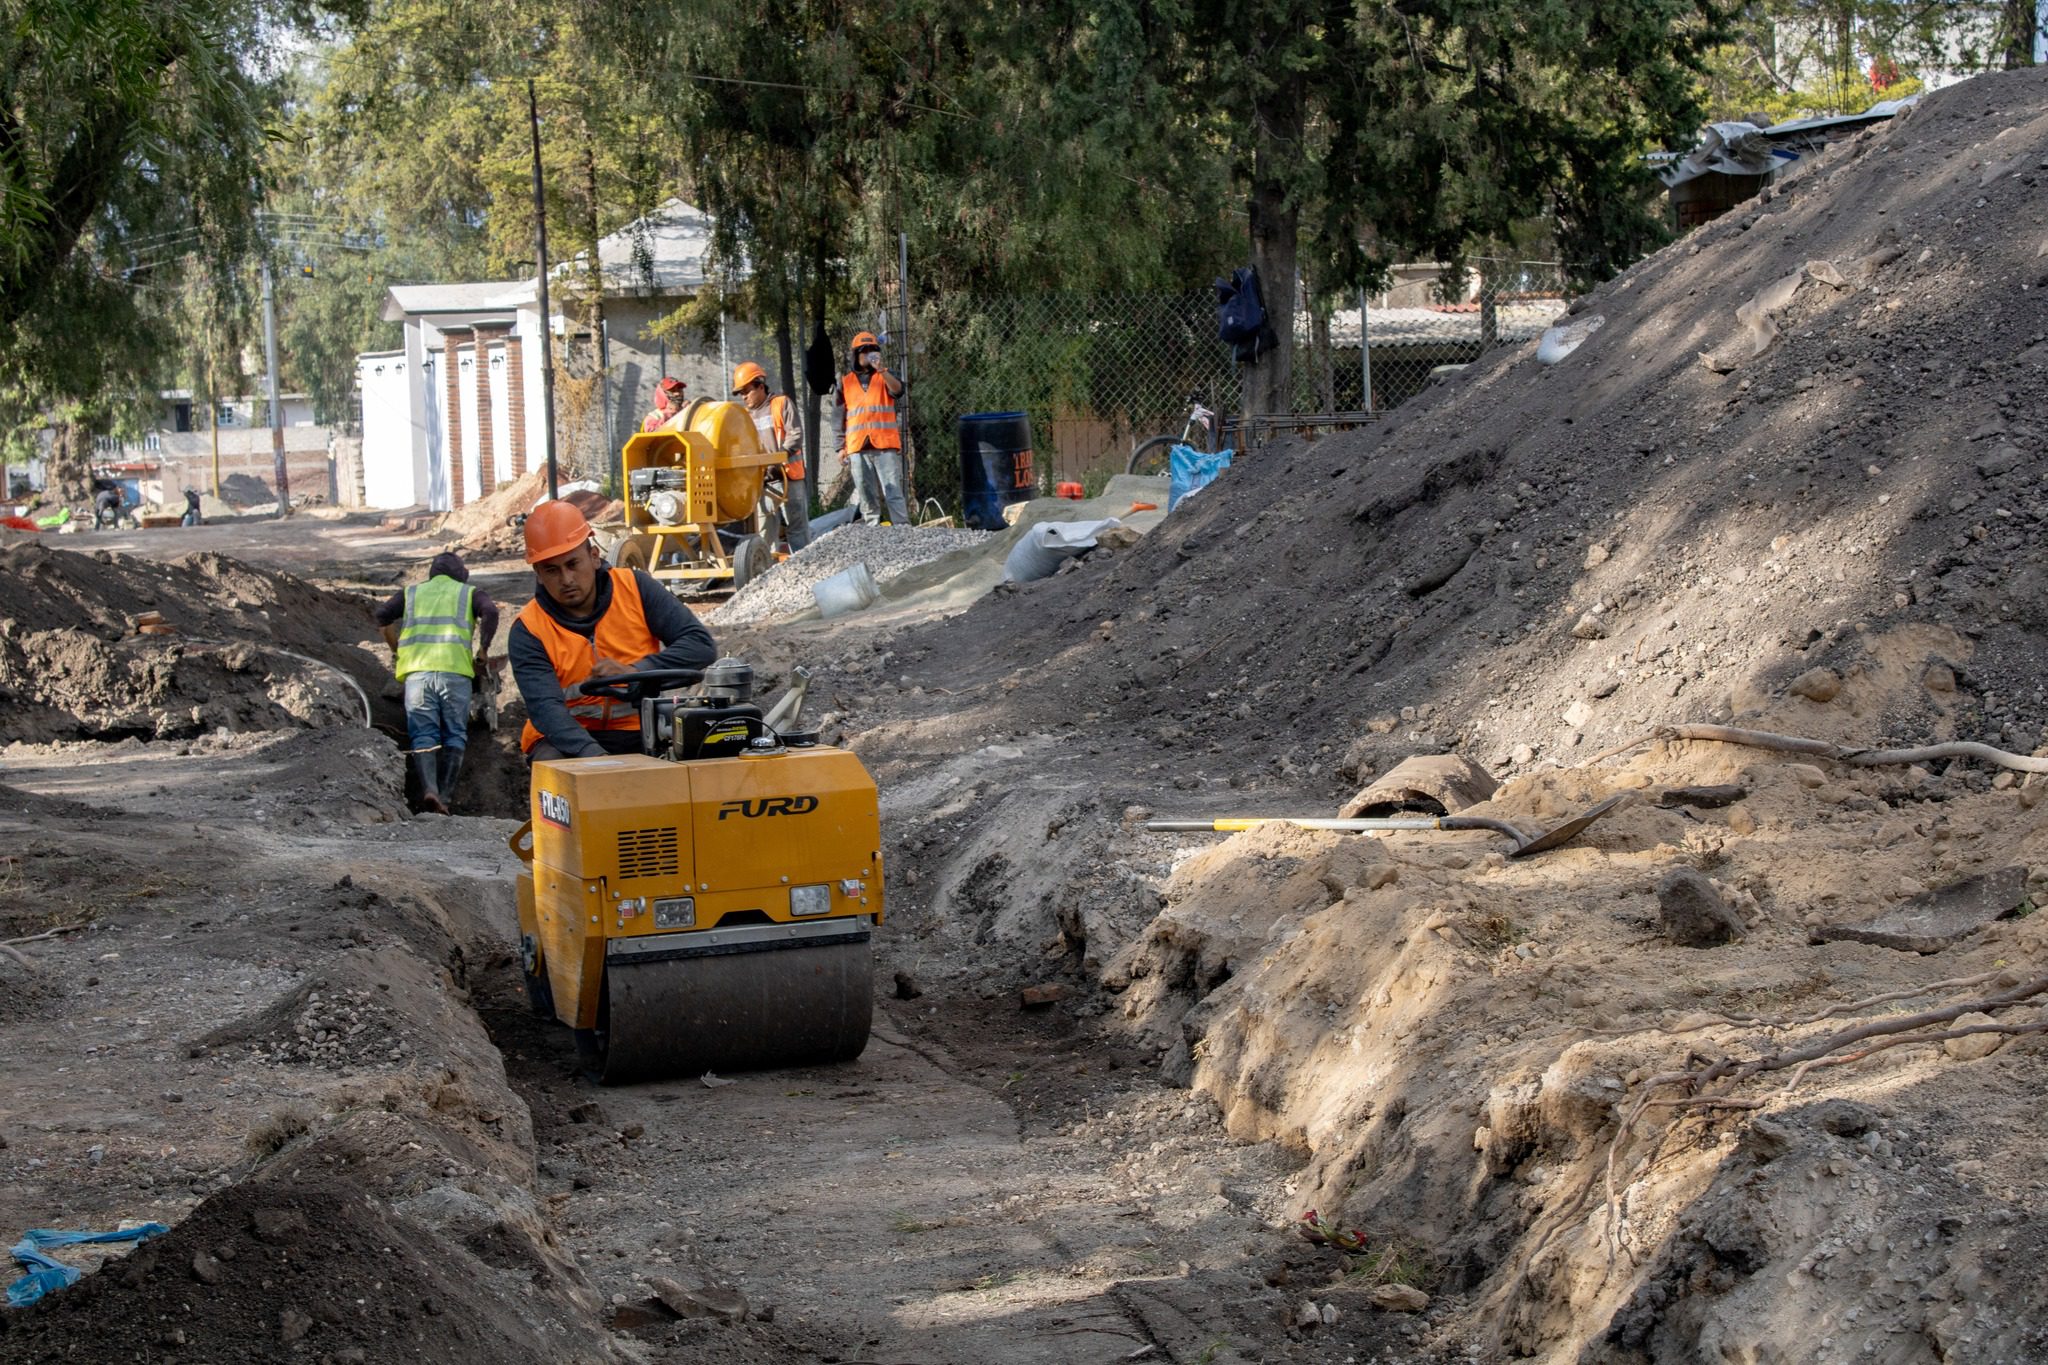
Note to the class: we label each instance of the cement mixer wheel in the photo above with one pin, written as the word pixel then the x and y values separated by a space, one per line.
pixel 630 553
pixel 750 559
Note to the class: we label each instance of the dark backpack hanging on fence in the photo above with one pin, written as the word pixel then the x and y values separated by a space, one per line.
pixel 1241 316
pixel 821 372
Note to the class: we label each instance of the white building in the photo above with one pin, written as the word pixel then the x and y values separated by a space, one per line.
pixel 438 433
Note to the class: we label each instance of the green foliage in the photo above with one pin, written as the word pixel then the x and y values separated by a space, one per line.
pixel 1788 59
pixel 130 136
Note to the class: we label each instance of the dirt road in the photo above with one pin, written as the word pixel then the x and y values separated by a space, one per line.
pixel 252 987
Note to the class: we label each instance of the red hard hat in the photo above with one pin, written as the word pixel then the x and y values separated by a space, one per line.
pixel 672 387
pixel 554 528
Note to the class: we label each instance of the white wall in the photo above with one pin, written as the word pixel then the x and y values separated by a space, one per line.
pixel 501 416
pixel 472 447
pixel 394 470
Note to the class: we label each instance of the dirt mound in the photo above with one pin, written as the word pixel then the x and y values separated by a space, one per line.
pixel 300 1260
pixel 1550 555
pixel 485 525
pixel 1794 480
pixel 251 649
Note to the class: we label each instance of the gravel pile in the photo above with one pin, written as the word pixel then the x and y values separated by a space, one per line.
pixel 340 1028
pixel 886 550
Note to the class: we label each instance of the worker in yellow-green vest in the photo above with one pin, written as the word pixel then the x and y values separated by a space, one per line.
pixel 429 627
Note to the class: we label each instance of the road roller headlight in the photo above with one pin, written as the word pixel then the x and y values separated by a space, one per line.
pixel 810 900
pixel 677 912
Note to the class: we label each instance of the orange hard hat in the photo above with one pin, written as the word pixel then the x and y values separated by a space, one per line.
pixel 746 374
pixel 863 340
pixel 554 528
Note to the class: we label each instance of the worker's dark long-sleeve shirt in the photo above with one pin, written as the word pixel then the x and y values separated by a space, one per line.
pixel 685 643
pixel 391 611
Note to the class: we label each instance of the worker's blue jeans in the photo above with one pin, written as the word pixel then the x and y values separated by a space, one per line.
pixel 437 710
pixel 878 482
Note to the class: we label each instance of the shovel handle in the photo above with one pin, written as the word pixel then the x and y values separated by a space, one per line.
pixel 1233 825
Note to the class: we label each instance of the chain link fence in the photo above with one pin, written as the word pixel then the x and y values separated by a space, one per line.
pixel 1097 374
pixel 1101 374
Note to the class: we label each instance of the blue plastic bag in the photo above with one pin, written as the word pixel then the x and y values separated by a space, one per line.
pixel 1193 470
pixel 45 1275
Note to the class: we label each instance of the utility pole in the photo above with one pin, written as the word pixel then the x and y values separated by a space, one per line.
pixel 547 326
pixel 284 494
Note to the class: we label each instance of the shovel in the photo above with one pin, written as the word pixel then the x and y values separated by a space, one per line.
pixel 1525 844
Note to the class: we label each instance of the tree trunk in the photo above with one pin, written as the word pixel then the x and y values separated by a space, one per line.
pixel 784 351
pixel 2022 29
pixel 70 468
pixel 1275 225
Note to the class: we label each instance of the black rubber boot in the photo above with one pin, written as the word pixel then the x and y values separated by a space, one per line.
pixel 450 768
pixel 424 767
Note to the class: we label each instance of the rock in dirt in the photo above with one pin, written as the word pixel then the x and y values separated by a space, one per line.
pixel 1588 627
pixel 1399 1298
pixel 1843 1118
pixel 1438 784
pixel 1977 1045
pixel 1703 798
pixel 277 1226
pixel 1940 918
pixel 701 1299
pixel 1694 912
pixel 1816 684
pixel 1039 997
pixel 205 1268
pixel 292 1325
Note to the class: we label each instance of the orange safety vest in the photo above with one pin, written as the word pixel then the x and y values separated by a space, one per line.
pixel 778 417
pixel 621 634
pixel 870 415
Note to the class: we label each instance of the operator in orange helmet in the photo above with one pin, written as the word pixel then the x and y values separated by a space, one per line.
pixel 587 621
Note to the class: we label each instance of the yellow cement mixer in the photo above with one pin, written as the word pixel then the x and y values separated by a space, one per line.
pixel 699 499
pixel 706 904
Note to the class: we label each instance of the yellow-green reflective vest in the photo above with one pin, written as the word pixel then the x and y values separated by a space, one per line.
pixel 435 636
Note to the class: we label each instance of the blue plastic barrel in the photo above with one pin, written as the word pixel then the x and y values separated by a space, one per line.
pixel 996 467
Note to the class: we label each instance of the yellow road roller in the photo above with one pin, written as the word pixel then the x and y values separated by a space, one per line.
pixel 701 497
pixel 706 904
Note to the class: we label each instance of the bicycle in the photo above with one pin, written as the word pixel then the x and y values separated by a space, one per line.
pixel 1155 456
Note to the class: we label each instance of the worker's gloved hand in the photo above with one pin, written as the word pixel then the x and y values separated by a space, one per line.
pixel 609 668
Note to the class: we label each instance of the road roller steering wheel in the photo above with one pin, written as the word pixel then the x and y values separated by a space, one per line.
pixel 632 687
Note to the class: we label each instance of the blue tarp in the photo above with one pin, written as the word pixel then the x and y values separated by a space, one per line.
pixel 1193 470
pixel 45 1274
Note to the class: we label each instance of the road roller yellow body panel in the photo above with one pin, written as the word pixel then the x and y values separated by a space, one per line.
pixel 708 914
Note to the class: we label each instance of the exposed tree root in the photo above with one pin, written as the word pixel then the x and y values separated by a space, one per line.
pixel 1836 1049
pixel 1856 756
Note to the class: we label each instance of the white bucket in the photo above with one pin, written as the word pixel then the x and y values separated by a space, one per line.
pixel 848 590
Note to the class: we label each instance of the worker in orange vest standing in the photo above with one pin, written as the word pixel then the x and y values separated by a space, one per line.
pixel 775 417
pixel 872 432
pixel 668 401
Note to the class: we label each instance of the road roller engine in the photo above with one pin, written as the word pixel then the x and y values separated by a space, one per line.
pixel 706 904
